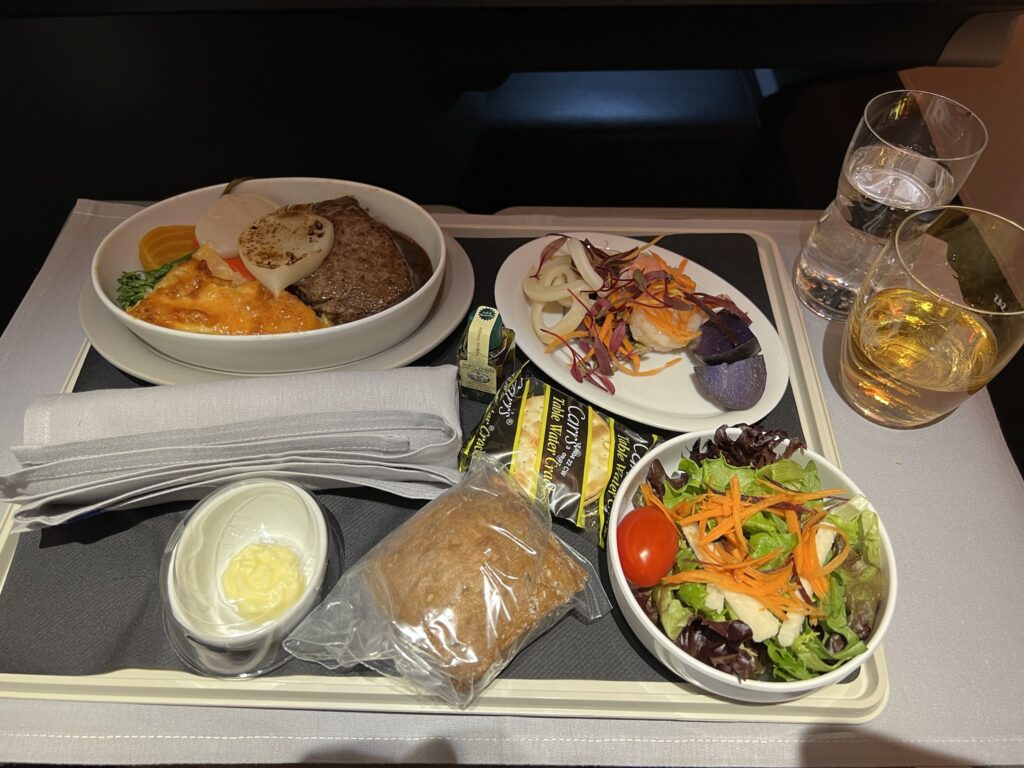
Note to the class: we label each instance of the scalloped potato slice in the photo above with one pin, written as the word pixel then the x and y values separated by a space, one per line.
pixel 190 298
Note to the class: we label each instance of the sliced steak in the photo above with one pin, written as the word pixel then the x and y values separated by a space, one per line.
pixel 364 273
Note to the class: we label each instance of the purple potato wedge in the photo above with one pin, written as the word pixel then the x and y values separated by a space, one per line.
pixel 736 386
pixel 726 346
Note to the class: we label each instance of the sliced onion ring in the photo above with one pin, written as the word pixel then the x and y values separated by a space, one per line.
pixel 567 323
pixel 583 265
pixel 545 293
pixel 571 320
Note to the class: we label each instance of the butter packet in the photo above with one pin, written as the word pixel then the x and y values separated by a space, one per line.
pixel 560 450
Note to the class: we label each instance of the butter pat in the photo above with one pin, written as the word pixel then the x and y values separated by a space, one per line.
pixel 262 581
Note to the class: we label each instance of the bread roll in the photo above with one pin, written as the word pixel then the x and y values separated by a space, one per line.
pixel 467 581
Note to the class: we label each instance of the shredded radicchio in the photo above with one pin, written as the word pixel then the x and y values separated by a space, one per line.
pixel 755 446
pixel 723 645
pixel 647 605
pixel 657 478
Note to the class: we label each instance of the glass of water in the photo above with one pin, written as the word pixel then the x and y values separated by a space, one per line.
pixel 940 313
pixel 912 150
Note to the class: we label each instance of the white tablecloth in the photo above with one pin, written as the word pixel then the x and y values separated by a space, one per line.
pixel 953 501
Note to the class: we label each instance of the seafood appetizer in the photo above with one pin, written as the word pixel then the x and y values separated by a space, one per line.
pixel 633 313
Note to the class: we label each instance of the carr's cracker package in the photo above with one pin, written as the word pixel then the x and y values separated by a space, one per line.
pixel 560 450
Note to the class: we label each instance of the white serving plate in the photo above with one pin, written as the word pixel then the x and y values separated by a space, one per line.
pixel 670 399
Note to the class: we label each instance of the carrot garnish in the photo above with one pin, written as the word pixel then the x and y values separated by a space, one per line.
pixel 238 266
pixel 723 552
pixel 632 282
pixel 632 370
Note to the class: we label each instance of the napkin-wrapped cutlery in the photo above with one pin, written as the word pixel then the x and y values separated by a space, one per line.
pixel 396 430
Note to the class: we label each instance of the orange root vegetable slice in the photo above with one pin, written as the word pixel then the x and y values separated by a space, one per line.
pixel 163 244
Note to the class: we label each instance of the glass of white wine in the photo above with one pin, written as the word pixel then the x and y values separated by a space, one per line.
pixel 940 313
pixel 912 150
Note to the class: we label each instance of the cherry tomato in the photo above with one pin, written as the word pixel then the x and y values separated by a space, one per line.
pixel 647 544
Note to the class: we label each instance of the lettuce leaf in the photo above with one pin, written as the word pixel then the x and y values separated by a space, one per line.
pixel 790 474
pixel 717 474
pixel 821 649
pixel 765 542
pixel 763 522
pixel 858 522
pixel 690 595
pixel 693 487
pixel 834 604
pixel 807 657
pixel 672 614
pixel 861 573
pixel 724 645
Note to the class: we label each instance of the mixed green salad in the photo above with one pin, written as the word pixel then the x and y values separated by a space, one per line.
pixel 748 564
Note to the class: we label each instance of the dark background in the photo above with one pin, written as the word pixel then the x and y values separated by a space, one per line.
pixel 479 105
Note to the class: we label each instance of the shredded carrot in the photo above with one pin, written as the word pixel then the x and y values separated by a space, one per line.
pixel 724 553
pixel 653 500
pixel 649 372
pixel 736 503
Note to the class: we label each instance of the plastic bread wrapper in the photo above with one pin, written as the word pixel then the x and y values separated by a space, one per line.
pixel 444 602
pixel 564 453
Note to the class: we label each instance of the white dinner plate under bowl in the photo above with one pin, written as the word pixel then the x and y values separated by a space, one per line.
pixel 126 351
pixel 668 400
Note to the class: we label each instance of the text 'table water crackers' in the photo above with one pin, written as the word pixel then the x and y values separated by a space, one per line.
pixel 559 449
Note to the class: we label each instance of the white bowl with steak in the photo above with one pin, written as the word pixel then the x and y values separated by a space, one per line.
pixel 273 275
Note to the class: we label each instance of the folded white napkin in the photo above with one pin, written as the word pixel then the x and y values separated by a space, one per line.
pixel 396 430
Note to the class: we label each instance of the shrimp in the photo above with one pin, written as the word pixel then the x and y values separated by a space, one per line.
pixel 665 329
pixel 652 322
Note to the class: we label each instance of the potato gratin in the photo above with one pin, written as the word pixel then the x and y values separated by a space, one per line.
pixel 191 298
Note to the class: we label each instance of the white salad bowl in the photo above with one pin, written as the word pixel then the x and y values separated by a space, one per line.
pixel 284 352
pixel 690 668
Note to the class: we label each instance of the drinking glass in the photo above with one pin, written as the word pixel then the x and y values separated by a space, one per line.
pixel 912 150
pixel 939 314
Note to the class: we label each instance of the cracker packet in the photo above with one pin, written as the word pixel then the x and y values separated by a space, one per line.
pixel 562 452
